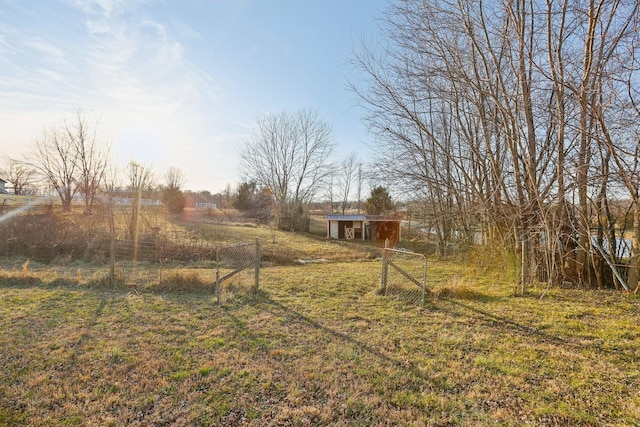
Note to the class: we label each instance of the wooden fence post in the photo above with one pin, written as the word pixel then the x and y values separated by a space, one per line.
pixel 383 279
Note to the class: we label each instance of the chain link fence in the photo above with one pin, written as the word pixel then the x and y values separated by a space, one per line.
pixel 166 265
pixel 404 275
pixel 237 270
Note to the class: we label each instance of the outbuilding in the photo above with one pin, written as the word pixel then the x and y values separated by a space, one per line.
pixel 376 228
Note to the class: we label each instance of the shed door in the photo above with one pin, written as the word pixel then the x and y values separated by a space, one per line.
pixel 342 226
pixel 333 229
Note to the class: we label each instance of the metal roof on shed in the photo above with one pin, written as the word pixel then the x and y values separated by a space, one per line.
pixel 334 217
pixel 352 217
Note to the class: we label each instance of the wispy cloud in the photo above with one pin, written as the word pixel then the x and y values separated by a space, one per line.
pixel 104 8
pixel 129 66
pixel 130 56
pixel 46 48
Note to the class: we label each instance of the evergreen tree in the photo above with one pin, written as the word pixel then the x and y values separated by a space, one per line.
pixel 379 202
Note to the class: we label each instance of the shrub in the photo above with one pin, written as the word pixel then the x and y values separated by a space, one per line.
pixel 174 200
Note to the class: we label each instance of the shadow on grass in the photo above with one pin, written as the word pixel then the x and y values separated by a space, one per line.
pixel 20 281
pixel 502 322
pixel 507 325
pixel 175 283
pixel 264 302
pixel 457 308
pixel 462 293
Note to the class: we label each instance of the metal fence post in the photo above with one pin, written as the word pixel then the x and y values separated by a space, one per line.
pixel 217 285
pixel 383 279
pixel 112 257
pixel 257 266
pixel 424 282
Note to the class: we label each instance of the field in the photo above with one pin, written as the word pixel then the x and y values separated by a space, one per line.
pixel 316 346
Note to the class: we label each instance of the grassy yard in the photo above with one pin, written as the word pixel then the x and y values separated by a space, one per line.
pixel 317 346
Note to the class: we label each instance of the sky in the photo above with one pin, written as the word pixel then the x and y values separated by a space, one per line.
pixel 180 83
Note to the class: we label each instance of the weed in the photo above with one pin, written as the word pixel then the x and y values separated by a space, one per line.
pixel 116 355
pixel 204 371
pixel 182 282
pixel 180 375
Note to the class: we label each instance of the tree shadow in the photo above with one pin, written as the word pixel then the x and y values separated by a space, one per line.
pixel 20 281
pixel 265 302
pixel 508 325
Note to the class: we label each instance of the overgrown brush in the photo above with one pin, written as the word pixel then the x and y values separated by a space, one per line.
pixel 457 287
pixel 182 282
pixel 49 236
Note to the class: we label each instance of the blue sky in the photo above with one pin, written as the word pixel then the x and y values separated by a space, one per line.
pixel 180 83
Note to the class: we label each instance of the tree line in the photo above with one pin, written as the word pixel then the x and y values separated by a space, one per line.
pixel 516 123
pixel 288 162
pixel 73 160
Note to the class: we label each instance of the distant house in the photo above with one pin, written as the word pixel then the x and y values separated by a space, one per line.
pixel 3 190
pixel 376 228
pixel 204 205
pixel 129 197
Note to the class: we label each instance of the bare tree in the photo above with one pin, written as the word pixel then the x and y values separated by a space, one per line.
pixel 330 191
pixel 92 156
pixel 359 181
pixel 348 171
pixel 174 178
pixel 287 153
pixel 72 158
pixel 21 176
pixel 499 117
pixel 55 159
pixel 140 180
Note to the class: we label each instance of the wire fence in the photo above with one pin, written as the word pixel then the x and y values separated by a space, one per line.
pixel 237 270
pixel 165 265
pixel 404 275
pixel 113 244
pixel 82 248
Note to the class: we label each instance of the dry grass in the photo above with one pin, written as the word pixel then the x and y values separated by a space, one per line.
pixel 284 248
pixel 316 346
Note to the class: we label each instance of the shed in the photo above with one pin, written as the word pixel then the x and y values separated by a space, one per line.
pixel 376 228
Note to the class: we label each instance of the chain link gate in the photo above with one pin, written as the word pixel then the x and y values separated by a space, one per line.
pixel 404 274
pixel 233 260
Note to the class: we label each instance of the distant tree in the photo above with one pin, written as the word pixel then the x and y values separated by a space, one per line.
pixel 140 177
pixel 226 197
pixel 330 190
pixel 55 160
pixel 349 170
pixel 72 158
pixel 173 199
pixel 287 154
pixel 92 156
pixel 174 178
pixel 171 195
pixel 244 196
pixel 253 201
pixel 359 181
pixel 21 176
pixel 379 202
pixel 140 180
